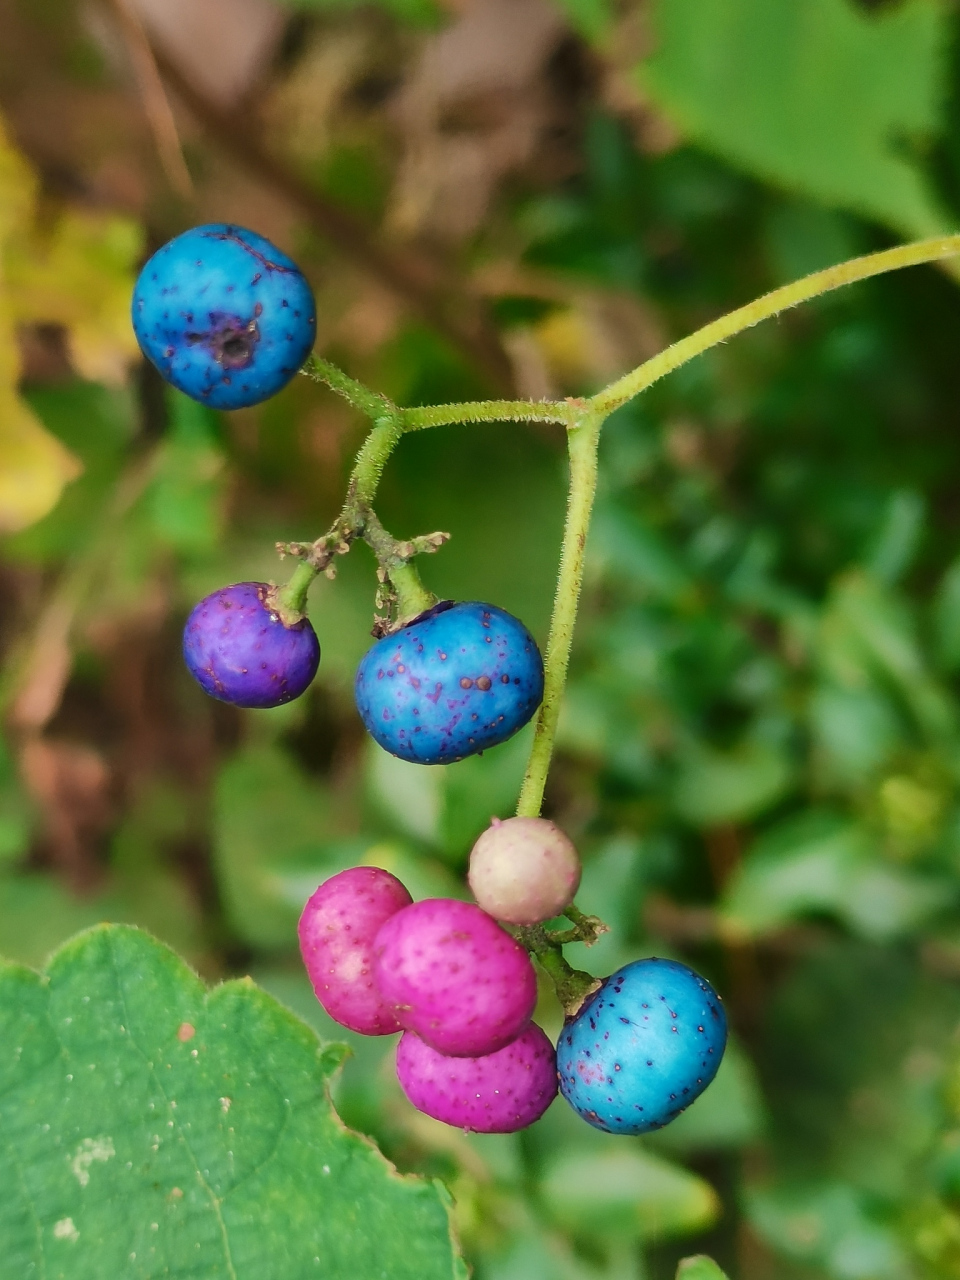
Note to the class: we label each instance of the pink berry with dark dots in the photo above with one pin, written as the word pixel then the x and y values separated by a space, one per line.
pixel 498 1093
pixel 337 929
pixel 454 977
pixel 524 870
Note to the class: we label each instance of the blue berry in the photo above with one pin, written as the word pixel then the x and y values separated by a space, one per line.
pixel 643 1047
pixel 238 649
pixel 224 315
pixel 459 679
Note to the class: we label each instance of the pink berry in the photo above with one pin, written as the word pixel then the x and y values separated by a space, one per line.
pixel 524 870
pixel 498 1093
pixel 337 929
pixel 454 977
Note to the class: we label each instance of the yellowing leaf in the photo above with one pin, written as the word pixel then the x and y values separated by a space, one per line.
pixel 17 188
pixel 34 465
pixel 818 96
pixel 80 275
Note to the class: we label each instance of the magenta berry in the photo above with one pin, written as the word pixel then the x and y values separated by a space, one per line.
pixel 524 870
pixel 498 1093
pixel 459 679
pixel 239 650
pixel 454 977
pixel 337 929
pixel 224 315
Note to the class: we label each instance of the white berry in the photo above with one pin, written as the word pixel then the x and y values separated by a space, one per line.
pixel 524 870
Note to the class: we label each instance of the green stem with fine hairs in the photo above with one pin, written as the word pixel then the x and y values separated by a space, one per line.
pixel 583 420
pixel 582 443
pixel 767 306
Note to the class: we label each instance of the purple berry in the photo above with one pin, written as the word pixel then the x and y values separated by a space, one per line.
pixel 224 315
pixel 454 977
pixel 238 649
pixel 337 929
pixel 458 680
pixel 498 1093
pixel 524 870
pixel 643 1047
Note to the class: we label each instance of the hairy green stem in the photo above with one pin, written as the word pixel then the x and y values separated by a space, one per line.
pixel 771 304
pixel 582 441
pixel 442 415
pixel 372 458
pixel 583 420
pixel 368 402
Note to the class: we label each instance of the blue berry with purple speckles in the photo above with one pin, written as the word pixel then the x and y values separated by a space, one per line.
pixel 239 650
pixel 224 315
pixel 643 1047
pixel 461 678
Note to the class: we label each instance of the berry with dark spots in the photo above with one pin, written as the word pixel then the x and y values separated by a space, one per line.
pixel 634 1066
pixel 454 977
pixel 337 929
pixel 224 315
pixel 498 1093
pixel 239 650
pixel 524 870
pixel 459 679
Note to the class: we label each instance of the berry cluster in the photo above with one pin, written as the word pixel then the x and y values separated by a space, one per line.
pixel 462 990
pixel 443 972
pixel 229 319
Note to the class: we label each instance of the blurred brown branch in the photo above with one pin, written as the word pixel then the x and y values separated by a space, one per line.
pixel 453 313
pixel 156 106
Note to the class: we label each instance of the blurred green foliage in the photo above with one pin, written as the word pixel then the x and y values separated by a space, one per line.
pixel 760 747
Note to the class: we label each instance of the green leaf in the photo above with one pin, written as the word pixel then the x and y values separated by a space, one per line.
pixel 268 817
pixel 627 1193
pixel 14 810
pixel 699 1267
pixel 593 19
pixel 827 1223
pixel 151 1127
pixel 866 634
pixel 898 538
pixel 946 618
pixel 817 862
pixel 185 497
pixel 449 805
pixel 715 787
pixel 817 96
pixel 856 730
pixel 416 13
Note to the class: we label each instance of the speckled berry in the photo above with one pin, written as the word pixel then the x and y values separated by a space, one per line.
pixel 224 315
pixel 458 680
pixel 454 977
pixel 498 1093
pixel 238 649
pixel 337 929
pixel 524 870
pixel 643 1047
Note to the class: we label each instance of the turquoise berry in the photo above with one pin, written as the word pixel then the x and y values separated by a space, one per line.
pixel 224 315
pixel 461 678
pixel 643 1047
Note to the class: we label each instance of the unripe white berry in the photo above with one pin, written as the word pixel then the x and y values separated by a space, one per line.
pixel 524 870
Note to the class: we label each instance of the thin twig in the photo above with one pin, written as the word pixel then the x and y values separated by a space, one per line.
pixel 156 105
pixel 461 320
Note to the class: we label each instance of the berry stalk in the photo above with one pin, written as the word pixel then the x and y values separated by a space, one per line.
pixel 582 442
pixel 767 306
